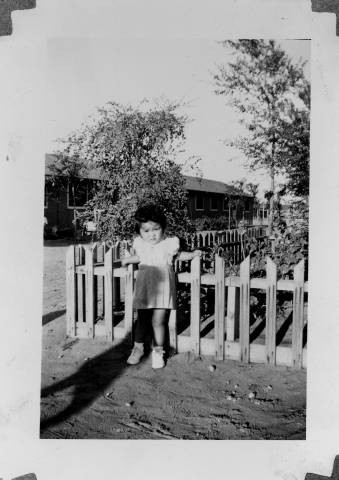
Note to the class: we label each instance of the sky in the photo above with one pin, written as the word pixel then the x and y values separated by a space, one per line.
pixel 85 73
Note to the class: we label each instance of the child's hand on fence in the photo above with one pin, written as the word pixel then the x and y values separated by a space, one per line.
pixel 117 264
pixel 124 262
pixel 186 256
pixel 132 259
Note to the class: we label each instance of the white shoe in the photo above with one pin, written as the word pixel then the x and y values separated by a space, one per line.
pixel 136 354
pixel 158 358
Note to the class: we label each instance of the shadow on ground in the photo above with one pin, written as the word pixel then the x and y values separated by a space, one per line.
pixel 49 317
pixel 89 382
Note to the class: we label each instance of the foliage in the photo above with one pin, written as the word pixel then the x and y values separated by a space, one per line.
pixel 272 96
pixel 252 189
pixel 134 149
pixel 286 248
pixel 295 144
pixel 213 223
pixel 65 169
pixel 266 88
pixel 245 188
pixel 298 213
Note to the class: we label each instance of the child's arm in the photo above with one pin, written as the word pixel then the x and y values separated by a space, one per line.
pixel 183 256
pixel 126 261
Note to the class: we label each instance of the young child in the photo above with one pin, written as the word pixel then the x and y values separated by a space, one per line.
pixel 155 292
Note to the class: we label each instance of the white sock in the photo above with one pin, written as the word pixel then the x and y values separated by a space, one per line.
pixel 158 349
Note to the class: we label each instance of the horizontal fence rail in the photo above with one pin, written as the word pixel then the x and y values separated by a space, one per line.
pixel 100 304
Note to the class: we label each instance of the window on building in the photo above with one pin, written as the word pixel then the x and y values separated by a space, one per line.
pixel 213 203
pixel 199 201
pixel 247 205
pixel 226 204
pixel 77 193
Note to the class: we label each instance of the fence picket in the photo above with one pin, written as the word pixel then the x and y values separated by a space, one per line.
pixel 118 283
pixel 100 282
pixel 109 293
pixel 245 310
pixel 95 252
pixel 195 304
pixel 99 258
pixel 298 315
pixel 219 323
pixel 271 311
pixel 172 327
pixel 129 280
pixel 80 284
pixel 90 306
pixel 70 291
pixel 232 320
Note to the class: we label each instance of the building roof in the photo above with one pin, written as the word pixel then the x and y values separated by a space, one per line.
pixel 205 185
pixel 198 184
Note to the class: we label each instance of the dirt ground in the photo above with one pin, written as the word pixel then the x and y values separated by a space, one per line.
pixel 88 391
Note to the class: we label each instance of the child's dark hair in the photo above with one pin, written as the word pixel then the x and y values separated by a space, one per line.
pixel 149 213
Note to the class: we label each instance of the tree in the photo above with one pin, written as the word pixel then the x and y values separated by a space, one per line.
pixel 134 149
pixel 66 170
pixel 295 147
pixel 252 188
pixel 270 92
pixel 245 188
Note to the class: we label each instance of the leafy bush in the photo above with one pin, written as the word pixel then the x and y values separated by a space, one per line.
pixel 134 149
pixel 213 223
pixel 286 250
pixel 287 247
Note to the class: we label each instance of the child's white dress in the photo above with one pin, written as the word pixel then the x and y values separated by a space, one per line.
pixel 155 282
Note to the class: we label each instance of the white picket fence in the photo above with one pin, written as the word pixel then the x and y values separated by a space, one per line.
pixel 230 240
pixel 94 292
pixel 207 238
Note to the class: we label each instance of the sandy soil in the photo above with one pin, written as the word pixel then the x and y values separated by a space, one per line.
pixel 88 391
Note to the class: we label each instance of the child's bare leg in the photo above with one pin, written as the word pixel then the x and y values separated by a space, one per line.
pixel 141 325
pixel 159 319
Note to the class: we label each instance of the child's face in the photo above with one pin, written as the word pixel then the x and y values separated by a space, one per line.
pixel 151 232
